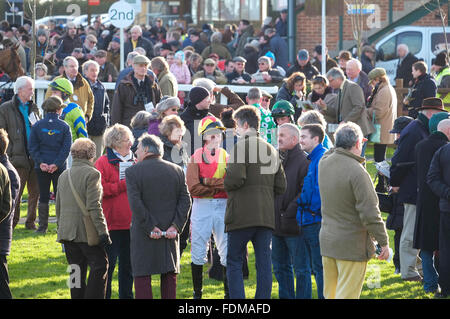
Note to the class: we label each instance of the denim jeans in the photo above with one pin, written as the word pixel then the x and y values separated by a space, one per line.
pixel 310 261
pixel 430 276
pixel 120 248
pixel 261 238
pixel 286 261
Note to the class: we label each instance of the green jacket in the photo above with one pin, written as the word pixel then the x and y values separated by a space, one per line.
pixel 87 182
pixel 12 121
pixel 350 213
pixel 74 116
pixel 252 181
pixel 168 84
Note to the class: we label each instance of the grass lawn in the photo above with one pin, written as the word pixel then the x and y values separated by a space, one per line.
pixel 37 269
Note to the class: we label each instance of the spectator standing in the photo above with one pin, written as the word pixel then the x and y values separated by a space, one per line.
pixel 166 80
pixel 107 71
pixel 100 116
pixel 251 187
pixel 442 79
pixel 281 23
pixel 137 91
pixel 118 141
pixel 172 130
pixel 285 238
pixel 197 43
pixel 167 106
pixel 210 72
pixel 403 179
pixel 382 106
pixel 367 58
pixel 17 116
pixel 279 48
pixel 350 215
pixel 245 31
pixel 426 229
pixel 315 117
pixel 80 248
pixel 303 64
pixel 424 86
pixel 139 125
pixel 251 54
pixel 266 129
pixel 350 105
pixel 6 222
pixel 113 52
pixel 293 90
pixel 309 214
pixel 82 92
pixel 239 76
pixel 355 74
pixel 438 180
pixel 49 146
pixel 329 63
pixel 137 40
pixel 217 47
pixel 68 42
pixel 405 62
pixel 170 206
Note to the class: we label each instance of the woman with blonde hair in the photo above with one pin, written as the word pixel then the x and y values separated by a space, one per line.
pixel 112 165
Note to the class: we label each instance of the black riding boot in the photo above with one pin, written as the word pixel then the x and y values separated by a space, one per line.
pixel 197 280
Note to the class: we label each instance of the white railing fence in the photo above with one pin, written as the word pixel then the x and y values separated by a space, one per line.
pixel 41 87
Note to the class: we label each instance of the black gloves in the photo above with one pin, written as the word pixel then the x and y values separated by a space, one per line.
pixel 104 240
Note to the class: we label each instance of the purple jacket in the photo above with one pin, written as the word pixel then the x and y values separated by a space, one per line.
pixel 153 126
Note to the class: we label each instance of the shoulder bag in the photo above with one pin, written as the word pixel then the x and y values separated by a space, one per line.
pixel 91 231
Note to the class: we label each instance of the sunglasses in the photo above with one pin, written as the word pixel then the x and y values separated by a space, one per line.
pixel 266 99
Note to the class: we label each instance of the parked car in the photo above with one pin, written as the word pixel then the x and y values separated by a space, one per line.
pixel 423 42
pixel 83 19
pixel 59 20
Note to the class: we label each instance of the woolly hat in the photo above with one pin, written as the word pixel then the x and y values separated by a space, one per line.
pixel 180 56
pixel 166 103
pixel 441 59
pixel 435 119
pixel 197 94
pixel 270 55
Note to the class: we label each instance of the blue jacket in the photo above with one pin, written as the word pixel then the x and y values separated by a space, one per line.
pixel 99 121
pixel 50 141
pixel 309 201
pixel 280 49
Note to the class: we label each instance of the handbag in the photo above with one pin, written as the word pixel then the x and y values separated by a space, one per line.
pixel 375 137
pixel 91 231
pixel 386 202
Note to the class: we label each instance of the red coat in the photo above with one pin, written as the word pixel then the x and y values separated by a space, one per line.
pixel 115 200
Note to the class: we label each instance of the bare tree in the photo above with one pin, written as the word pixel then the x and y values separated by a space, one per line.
pixel 443 16
pixel 357 21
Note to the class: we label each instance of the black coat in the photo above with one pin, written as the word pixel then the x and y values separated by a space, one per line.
pixel 426 230
pixel 251 54
pixel 438 177
pixel 424 87
pixel 403 170
pixel 295 166
pixel 404 69
pixel 100 115
pixel 191 117
pixel 6 225
pixel 308 70
pixel 143 43
pixel 395 219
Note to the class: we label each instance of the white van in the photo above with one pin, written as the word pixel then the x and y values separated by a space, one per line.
pixel 423 42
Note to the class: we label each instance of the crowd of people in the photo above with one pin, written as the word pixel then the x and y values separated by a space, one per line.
pixel 140 171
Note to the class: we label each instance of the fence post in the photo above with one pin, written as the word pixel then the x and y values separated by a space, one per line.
pixel 398 90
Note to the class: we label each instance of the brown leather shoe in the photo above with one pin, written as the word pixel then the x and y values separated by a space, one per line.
pixel 415 278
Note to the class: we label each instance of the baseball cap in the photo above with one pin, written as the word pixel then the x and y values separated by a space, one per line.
pixel 303 55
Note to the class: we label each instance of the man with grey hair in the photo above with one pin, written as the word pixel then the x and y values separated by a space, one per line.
pixel 285 238
pixel 82 93
pixel 350 105
pixel 350 216
pixel 137 40
pixel 129 68
pixel 405 61
pixel 155 232
pixel 354 72
pixel 100 116
pixel 17 116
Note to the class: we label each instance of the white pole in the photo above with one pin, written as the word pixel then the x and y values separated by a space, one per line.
pixel 324 37
pixel 121 50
